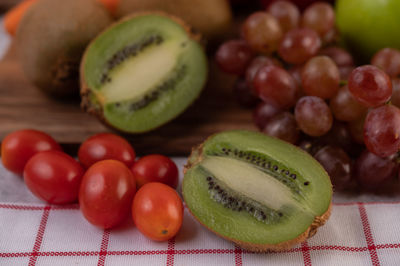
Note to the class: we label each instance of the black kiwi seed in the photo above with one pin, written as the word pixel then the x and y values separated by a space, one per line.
pixel 152 96
pixel 306 183
pixel 280 214
pixel 209 178
pixel 293 176
pixel 131 50
pixel 275 167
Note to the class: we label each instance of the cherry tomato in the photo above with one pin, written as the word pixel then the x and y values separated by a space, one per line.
pixel 54 177
pixel 105 146
pixel 155 168
pixel 106 193
pixel 19 146
pixel 157 211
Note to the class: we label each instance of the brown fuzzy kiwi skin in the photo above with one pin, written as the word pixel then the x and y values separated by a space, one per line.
pixel 309 232
pixel 51 39
pixel 85 90
pixel 211 18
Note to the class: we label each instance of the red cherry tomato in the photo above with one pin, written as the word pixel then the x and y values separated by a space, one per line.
pixel 106 193
pixel 155 168
pixel 105 146
pixel 157 211
pixel 54 177
pixel 19 146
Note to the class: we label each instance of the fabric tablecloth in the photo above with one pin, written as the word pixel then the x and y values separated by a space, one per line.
pixel 359 232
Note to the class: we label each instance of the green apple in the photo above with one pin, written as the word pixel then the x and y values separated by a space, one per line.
pixel 369 25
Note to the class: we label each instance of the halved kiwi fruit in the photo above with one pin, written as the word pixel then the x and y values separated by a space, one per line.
pixel 257 191
pixel 142 72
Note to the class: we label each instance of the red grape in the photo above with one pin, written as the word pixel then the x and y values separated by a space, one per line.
pixel 295 71
pixel 372 171
pixel 275 85
pixel 313 116
pixel 382 130
pixel 320 77
pixel 338 165
pixel 302 4
pixel 345 72
pixel 330 37
pixel 339 136
pixel 263 113
pixel 370 85
pixel 396 92
pixel 340 56
pixel 356 129
pixel 256 64
pixel 243 94
pixel 388 59
pixel 345 107
pixel 319 17
pixel 308 145
pixel 298 45
pixel 233 56
pixel 283 126
pixel 287 14
pixel 262 32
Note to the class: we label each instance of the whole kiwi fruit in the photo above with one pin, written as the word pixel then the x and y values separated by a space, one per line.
pixel 51 39
pixel 257 191
pixel 210 17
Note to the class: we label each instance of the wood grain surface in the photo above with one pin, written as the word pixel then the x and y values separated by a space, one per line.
pixel 24 106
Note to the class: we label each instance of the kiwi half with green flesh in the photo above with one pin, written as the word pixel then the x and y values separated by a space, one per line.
pixel 142 72
pixel 257 191
pixel 51 39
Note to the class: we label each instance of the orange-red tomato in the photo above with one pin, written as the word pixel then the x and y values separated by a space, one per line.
pixel 106 193
pixel 19 146
pixel 54 177
pixel 105 146
pixel 155 168
pixel 157 211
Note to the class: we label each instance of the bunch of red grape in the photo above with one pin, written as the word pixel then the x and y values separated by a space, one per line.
pixel 312 94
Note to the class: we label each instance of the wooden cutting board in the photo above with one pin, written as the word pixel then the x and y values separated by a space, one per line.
pixel 24 106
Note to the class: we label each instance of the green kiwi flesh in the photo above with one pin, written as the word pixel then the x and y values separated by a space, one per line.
pixel 142 72
pixel 258 191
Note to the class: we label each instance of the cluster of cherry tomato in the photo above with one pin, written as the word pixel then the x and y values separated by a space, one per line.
pixel 104 180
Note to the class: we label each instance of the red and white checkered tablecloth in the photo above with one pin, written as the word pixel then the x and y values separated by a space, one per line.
pixel 33 233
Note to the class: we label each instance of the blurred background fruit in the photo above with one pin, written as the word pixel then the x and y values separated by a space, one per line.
pixel 51 39
pixel 300 3
pixel 210 17
pixel 369 25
